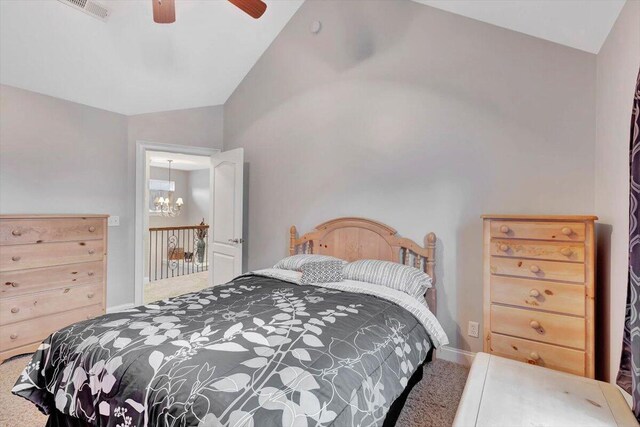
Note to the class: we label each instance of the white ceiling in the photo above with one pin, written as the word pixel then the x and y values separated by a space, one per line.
pixel 129 64
pixel 184 162
pixel 581 24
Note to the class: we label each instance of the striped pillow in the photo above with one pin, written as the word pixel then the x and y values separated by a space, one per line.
pixel 295 262
pixel 396 276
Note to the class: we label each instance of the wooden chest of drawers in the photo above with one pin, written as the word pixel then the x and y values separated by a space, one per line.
pixel 539 290
pixel 52 274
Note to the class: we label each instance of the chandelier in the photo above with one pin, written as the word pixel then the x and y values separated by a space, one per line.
pixel 164 205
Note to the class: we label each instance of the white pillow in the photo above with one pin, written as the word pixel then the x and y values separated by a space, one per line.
pixel 396 276
pixel 295 262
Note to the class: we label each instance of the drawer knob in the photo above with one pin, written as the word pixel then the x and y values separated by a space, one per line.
pixel 504 248
pixel 534 356
pixel 566 251
pixel 534 269
pixel 534 293
pixel 14 310
pixel 17 233
pixel 13 336
pixel 534 324
pixel 91 273
pixel 13 284
pixel 504 229
pixel 567 231
pixel 16 258
pixel 92 251
pixel 90 295
pixel 92 229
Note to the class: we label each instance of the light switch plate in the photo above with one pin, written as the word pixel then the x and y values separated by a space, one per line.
pixel 114 221
pixel 473 329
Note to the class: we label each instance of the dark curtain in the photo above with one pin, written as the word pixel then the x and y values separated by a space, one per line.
pixel 629 373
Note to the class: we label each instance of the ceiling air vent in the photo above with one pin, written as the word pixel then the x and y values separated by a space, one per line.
pixel 90 7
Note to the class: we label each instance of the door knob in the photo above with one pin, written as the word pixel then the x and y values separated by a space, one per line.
pixel 534 324
pixel 236 241
pixel 566 251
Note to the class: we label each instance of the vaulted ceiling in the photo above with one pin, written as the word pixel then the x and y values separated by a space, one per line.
pixel 581 24
pixel 131 65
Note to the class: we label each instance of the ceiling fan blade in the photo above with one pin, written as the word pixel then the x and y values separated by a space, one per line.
pixel 254 8
pixel 164 11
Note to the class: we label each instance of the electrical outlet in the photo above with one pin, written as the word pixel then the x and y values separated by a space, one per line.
pixel 473 329
pixel 113 221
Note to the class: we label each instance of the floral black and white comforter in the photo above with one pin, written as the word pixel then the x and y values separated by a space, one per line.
pixel 257 351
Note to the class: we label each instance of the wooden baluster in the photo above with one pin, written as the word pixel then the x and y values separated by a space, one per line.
pixel 430 261
pixel 292 240
pixel 429 268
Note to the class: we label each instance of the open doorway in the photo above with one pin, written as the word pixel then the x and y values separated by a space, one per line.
pixel 178 209
pixel 186 245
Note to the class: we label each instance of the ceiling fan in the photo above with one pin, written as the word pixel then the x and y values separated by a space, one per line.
pixel 164 11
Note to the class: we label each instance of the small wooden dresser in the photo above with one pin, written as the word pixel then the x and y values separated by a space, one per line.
pixel 52 274
pixel 539 290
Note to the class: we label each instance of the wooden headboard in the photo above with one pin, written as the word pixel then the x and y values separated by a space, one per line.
pixel 359 238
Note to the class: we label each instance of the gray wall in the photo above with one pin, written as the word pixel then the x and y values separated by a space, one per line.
pixel 57 156
pixel 200 127
pixel 617 65
pixel 417 118
pixel 198 196
pixel 61 157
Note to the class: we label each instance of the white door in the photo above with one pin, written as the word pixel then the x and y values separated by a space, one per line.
pixel 226 201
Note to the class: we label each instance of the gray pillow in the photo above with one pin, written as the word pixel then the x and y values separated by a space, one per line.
pixel 321 272
pixel 396 276
pixel 295 262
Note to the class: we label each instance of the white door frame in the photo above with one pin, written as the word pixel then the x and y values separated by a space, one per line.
pixel 141 220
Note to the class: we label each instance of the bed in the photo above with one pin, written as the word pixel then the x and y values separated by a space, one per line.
pixel 261 350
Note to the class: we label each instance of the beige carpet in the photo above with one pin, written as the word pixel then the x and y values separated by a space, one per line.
pixel 174 286
pixel 431 403
pixel 16 411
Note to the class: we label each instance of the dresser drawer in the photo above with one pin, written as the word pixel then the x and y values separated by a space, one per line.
pixel 554 251
pixel 539 326
pixel 36 330
pixel 20 282
pixel 27 231
pixel 539 294
pixel 535 353
pixel 49 302
pixel 20 257
pixel 561 231
pixel 537 269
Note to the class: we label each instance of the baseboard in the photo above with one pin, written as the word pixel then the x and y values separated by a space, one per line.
pixel 455 355
pixel 121 307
